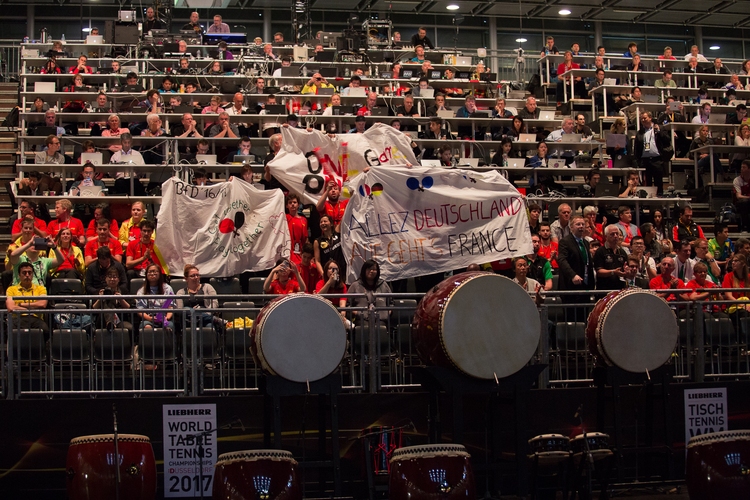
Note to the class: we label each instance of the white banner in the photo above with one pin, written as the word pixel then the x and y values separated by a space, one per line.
pixel 422 220
pixel 189 443
pixel 308 159
pixel 224 229
pixel 706 411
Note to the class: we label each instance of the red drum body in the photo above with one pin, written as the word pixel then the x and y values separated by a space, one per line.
pixel 718 466
pixel 431 472
pixel 481 324
pixel 92 475
pixel 299 337
pixel 254 474
pixel 381 441
pixel 632 329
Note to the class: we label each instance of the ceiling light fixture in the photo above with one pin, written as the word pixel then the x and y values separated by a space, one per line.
pixel 714 47
pixel 521 40
pixel 452 6
pixel 564 12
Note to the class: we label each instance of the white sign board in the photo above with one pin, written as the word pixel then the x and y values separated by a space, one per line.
pixel 189 442
pixel 706 411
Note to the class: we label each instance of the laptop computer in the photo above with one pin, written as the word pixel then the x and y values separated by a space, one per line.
pixel 379 111
pixel 276 109
pixel 717 119
pixel 182 109
pixel 243 159
pixel 463 60
pixel 614 140
pixel 556 164
pixel 44 131
pixel 407 73
pixel 90 191
pixel 610 81
pixel 488 77
pixel 427 93
pixel 674 106
pixel 290 71
pixel 527 138
pixel 430 163
pixel 463 75
pixel 516 162
pixel 480 114
pixel 646 191
pixel 621 161
pixel 605 189
pixel 357 92
pixel 337 110
pixel 326 91
pixel 468 162
pixel 328 72
pixel 568 138
pixel 446 113
pixel 44 87
pixel 207 159
pixel 94 158
pixel 94 39
pixel 325 56
pixel 386 75
pixel 547 115
pixel 435 74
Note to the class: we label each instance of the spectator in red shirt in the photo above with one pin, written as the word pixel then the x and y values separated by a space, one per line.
pixel 567 65
pixel 700 282
pixel 280 281
pixel 307 269
pixel 104 239
pixel 297 227
pixel 81 66
pixel 65 220
pixel 143 252
pixel 333 284
pixel 547 247
pixel 28 209
pixel 330 204
pixel 102 211
pixel 665 281
pixel 737 277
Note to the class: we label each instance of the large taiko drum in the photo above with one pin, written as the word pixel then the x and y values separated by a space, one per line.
pixel 632 329
pixel 92 475
pixel 718 466
pixel 431 471
pixel 597 443
pixel 482 324
pixel 254 474
pixel 299 337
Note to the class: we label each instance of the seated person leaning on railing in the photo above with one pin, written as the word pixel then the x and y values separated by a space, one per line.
pixel 111 298
pixel 199 296
pixel 155 285
pixel 370 284
pixel 20 301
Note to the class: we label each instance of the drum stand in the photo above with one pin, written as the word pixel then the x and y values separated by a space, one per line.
pixel 587 467
pixel 615 377
pixel 274 388
pixel 456 385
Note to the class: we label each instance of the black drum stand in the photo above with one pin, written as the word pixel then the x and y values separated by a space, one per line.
pixel 655 388
pixel 274 388
pixel 513 390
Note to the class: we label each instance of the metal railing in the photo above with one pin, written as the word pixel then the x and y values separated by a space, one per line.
pixel 10 60
pixel 82 354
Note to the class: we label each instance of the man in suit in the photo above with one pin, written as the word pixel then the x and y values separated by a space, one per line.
pixel 575 264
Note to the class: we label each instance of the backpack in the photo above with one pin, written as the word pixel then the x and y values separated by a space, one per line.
pixel 12 119
pixel 727 214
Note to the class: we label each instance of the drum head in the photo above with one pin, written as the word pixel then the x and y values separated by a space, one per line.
pixel 303 338
pixel 490 327
pixel 639 332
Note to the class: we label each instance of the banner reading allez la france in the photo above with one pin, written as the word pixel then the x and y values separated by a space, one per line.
pixel 308 159
pixel 422 220
pixel 223 229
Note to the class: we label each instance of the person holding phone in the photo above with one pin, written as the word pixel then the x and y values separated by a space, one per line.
pixel 280 281
pixel 332 284
pixel 316 83
pixel 41 266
